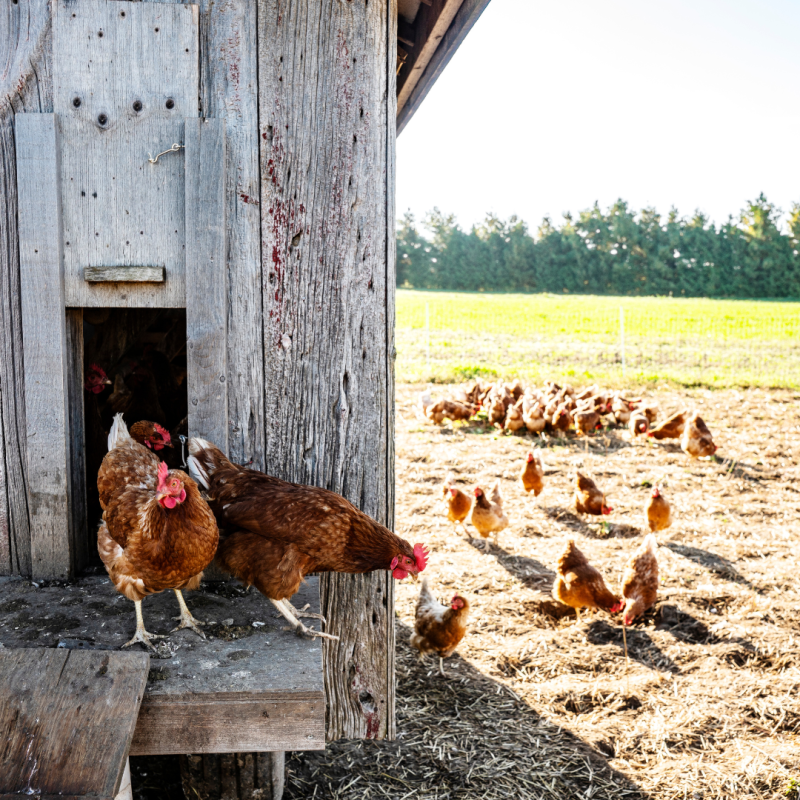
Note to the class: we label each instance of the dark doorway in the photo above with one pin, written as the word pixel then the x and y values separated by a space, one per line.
pixel 141 356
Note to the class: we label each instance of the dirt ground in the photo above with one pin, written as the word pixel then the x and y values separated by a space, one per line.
pixel 534 705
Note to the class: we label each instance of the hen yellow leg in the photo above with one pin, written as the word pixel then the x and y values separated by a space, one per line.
pixel 303 613
pixel 141 635
pixel 301 630
pixel 186 618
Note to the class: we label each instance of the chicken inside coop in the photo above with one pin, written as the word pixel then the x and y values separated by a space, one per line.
pixel 135 364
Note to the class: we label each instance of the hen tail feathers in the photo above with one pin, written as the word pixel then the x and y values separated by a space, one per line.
pixel 118 433
pixel 204 460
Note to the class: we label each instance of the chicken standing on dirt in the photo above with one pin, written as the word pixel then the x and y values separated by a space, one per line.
pixel 696 440
pixel 670 428
pixel 487 516
pixel 638 424
pixel 532 474
pixel 275 532
pixel 640 579
pixel 659 513
pixel 588 498
pixel 458 502
pixel 439 628
pixel 157 532
pixel 580 585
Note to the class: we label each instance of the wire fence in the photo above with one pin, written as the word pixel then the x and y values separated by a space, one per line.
pixel 452 336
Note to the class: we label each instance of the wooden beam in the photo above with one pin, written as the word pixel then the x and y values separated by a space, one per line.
pixel 468 14
pixel 44 323
pixel 430 26
pixel 406 33
pixel 326 113
pixel 206 293
pixel 124 274
pixel 25 86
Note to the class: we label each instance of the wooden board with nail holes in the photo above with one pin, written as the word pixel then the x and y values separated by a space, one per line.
pixel 119 210
pixel 59 702
pixel 245 689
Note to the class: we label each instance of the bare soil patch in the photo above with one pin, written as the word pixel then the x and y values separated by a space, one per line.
pixel 536 706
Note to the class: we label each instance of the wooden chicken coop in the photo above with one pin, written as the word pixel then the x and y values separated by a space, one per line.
pixel 199 198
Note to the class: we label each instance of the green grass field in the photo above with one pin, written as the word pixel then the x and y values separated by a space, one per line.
pixel 688 341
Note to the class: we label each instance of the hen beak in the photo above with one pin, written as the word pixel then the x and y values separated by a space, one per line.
pixel 414 576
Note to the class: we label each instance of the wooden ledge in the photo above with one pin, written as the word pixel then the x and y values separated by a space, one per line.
pixel 246 689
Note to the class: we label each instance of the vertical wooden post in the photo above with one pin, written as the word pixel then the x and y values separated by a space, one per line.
pixel 326 117
pixel 44 321
pixel 80 535
pixel 206 292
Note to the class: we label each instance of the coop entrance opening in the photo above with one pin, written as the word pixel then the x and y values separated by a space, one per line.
pixel 134 363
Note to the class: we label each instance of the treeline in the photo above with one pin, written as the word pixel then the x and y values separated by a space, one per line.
pixel 615 252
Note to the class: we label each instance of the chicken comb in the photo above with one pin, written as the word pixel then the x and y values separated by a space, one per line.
pixel 163 471
pixel 421 556
pixel 164 433
pixel 97 368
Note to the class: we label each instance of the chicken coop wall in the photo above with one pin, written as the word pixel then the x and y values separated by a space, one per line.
pixel 307 96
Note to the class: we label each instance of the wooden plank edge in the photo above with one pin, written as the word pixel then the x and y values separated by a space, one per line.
pixel 124 274
pixel 462 24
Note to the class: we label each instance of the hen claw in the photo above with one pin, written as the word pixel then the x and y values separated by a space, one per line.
pixel 309 614
pixel 309 633
pixel 143 637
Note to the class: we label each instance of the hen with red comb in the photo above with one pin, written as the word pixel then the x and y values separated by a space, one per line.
pixel 275 532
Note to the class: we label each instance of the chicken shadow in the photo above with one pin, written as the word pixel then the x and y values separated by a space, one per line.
pixel 611 530
pixel 714 563
pixel 528 571
pixel 641 647
pixel 465 706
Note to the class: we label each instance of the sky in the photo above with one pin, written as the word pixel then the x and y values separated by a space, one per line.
pixel 551 105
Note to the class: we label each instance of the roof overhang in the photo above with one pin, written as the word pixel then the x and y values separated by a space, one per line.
pixel 428 34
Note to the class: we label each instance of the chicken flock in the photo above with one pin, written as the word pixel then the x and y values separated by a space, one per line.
pixel 162 525
pixel 559 411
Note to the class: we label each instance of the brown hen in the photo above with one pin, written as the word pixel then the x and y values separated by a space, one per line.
pixel 640 579
pixel 659 513
pixel 438 629
pixel 157 532
pixel 532 474
pixel 277 532
pixel 588 498
pixel 580 585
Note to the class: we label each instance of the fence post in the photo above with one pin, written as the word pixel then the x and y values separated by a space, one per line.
pixel 622 337
pixel 427 337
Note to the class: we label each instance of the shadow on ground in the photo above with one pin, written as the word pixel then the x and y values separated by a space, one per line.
pixel 463 736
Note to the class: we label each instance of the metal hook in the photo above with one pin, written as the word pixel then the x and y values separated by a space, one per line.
pixel 182 437
pixel 174 149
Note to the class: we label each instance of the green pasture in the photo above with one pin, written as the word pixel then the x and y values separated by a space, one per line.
pixel 688 341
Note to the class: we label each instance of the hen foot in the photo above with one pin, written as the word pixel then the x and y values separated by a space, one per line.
pixel 186 618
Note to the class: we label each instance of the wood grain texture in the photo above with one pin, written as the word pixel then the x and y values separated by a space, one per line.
pixel 467 15
pixel 324 106
pixel 44 323
pixel 25 85
pixel 62 702
pixel 206 292
pixel 248 688
pixel 119 209
pixel 124 274
pixel 430 26
pixel 82 541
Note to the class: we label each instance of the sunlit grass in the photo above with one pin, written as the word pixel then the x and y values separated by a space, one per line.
pixel 688 341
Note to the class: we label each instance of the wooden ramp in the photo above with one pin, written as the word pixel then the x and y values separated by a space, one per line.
pixel 66 721
pixel 251 687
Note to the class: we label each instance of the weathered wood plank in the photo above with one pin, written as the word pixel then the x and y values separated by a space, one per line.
pixel 253 687
pixel 124 274
pixel 262 772
pixel 206 292
pixel 25 85
pixel 79 528
pixel 324 75
pixel 467 15
pixel 119 209
pixel 44 323
pixel 59 703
